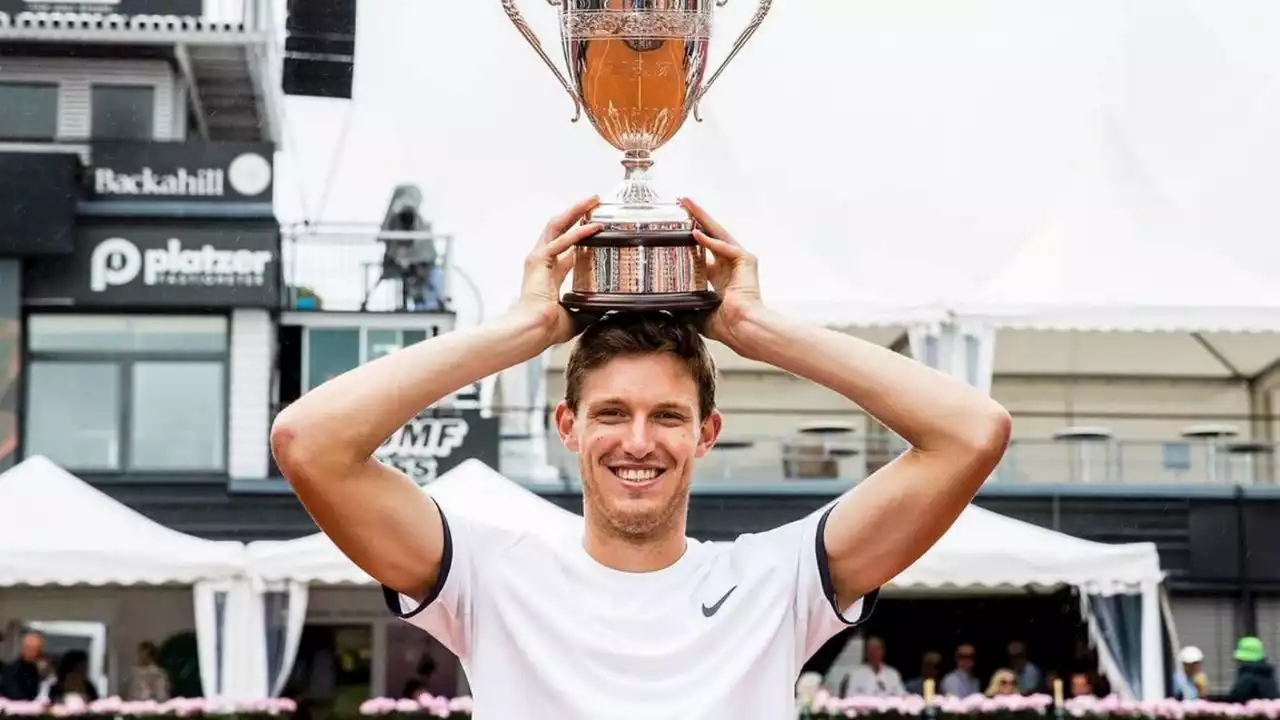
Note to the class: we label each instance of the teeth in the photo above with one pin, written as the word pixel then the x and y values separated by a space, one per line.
pixel 638 474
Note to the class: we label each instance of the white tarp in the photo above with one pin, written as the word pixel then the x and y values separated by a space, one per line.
pixel 1115 253
pixel 983 549
pixel 55 529
pixel 471 488
pixel 986 549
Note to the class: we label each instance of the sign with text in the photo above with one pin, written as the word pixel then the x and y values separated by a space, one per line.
pixel 123 8
pixel 201 265
pixel 186 171
pixel 438 441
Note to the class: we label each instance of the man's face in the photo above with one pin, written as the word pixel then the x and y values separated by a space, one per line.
pixel 964 658
pixel 637 433
pixel 875 651
pixel 32 647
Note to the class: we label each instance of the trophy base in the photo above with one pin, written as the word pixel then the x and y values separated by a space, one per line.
pixel 617 270
pixel 600 303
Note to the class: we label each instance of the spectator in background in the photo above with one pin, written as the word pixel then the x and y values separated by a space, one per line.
pixel 1255 678
pixel 961 682
pixel 73 679
pixel 21 678
pixel 1030 679
pixel 1081 685
pixel 874 678
pixel 1189 681
pixel 930 666
pixel 1003 682
pixel 148 680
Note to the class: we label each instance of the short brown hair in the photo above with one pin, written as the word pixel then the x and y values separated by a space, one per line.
pixel 642 333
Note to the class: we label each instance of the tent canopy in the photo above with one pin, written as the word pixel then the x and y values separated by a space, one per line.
pixel 988 550
pixel 1116 262
pixel 982 550
pixel 471 488
pixel 55 529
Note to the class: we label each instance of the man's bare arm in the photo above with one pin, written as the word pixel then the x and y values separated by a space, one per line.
pixel 957 437
pixel 324 442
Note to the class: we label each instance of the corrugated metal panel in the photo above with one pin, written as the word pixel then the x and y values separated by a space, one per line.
pixel 252 338
pixel 1211 625
pixel 1268 614
pixel 75 77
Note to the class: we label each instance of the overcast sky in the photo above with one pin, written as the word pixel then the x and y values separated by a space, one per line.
pixel 869 151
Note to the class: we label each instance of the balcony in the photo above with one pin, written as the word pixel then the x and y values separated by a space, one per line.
pixel 808 452
pixel 226 51
pixel 350 269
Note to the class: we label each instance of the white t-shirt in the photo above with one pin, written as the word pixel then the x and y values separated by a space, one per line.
pixel 544 631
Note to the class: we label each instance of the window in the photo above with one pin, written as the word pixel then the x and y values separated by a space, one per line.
pixel 127 393
pixel 28 111
pixel 123 112
pixel 329 352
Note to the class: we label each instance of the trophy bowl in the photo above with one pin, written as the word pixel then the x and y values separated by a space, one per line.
pixel 636 69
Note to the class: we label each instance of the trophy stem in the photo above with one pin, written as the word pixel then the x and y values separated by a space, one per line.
pixel 637 188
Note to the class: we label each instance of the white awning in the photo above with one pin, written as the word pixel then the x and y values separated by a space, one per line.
pixel 471 488
pixel 984 550
pixel 55 529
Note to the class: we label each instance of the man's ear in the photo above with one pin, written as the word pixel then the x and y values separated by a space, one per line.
pixel 564 426
pixel 708 433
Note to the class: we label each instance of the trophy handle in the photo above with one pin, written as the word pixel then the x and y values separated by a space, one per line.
pixel 761 10
pixel 518 20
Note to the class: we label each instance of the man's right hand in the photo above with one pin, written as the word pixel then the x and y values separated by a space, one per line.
pixel 547 266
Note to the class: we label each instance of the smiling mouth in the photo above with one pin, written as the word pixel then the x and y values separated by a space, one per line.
pixel 637 476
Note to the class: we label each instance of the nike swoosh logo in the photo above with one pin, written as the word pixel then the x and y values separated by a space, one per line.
pixel 709 611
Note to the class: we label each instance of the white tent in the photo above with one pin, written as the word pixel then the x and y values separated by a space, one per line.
pixel 471 488
pixel 57 530
pixel 993 552
pixel 282 571
pixel 1116 262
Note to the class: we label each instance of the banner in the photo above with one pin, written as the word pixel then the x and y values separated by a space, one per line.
pixel 186 171
pixel 439 440
pixel 190 265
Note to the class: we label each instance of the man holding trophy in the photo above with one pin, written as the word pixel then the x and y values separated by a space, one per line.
pixel 629 617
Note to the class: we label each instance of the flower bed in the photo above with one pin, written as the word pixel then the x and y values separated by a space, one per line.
pixel 823 707
pixel 270 709
pixel 1032 707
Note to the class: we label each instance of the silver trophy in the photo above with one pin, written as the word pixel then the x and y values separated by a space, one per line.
pixel 636 67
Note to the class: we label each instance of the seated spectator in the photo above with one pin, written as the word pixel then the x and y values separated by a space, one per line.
pixel 1003 682
pixel 930 666
pixel 1030 679
pixel 961 682
pixel 871 678
pixel 73 681
pixel 148 681
pixel 1081 685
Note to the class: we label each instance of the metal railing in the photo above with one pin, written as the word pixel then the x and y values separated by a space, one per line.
pixel 779 448
pixel 340 268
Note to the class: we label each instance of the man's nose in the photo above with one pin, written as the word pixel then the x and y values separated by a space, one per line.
pixel 639 439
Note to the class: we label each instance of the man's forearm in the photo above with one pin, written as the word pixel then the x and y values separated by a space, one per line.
pixel 927 408
pixel 344 420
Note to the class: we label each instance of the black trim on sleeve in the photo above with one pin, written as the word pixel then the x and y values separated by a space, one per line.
pixel 868 601
pixel 392 597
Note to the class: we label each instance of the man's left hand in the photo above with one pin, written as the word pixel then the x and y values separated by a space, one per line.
pixel 731 271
